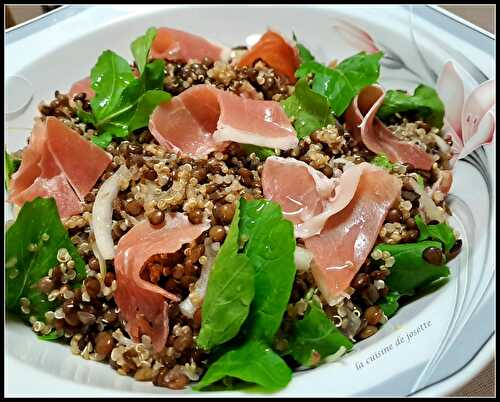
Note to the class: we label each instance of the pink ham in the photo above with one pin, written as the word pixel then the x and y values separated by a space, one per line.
pixel 308 198
pixel 175 45
pixel 84 85
pixel 143 305
pixel 361 120
pixel 203 119
pixel 56 163
pixel 349 235
pixel 66 144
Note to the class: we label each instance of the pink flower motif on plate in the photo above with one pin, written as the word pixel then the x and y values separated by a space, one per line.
pixel 469 118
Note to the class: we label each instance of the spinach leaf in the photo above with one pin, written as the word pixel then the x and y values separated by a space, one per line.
pixel 410 271
pixel 308 110
pixel 253 362
pixel 10 166
pixel 383 162
pixel 261 152
pixel 315 333
pixel 141 46
pixel 51 336
pixel 420 181
pixel 230 291
pixel 341 84
pixel 389 303
pixel 270 248
pixel 304 53
pixel 425 102
pixel 441 232
pixel 269 243
pixel 24 268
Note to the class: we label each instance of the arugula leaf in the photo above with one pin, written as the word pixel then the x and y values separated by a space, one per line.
pixel 383 162
pixel 341 84
pixel 10 166
pixel 141 46
pixel 304 53
pixel 410 271
pixel 425 102
pixel 230 291
pixel 123 102
pixel 145 106
pixel 315 333
pixel 441 232
pixel 253 362
pixel 261 152
pixel 25 268
pixel 308 109
pixel 270 248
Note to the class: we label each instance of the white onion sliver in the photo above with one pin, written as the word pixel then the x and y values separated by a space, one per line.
pixel 102 212
pixel 302 258
pixel 189 305
pixel 100 259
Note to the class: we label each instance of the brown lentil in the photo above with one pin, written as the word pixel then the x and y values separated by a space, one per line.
pixel 217 233
pixel 156 217
pixel 92 286
pixel 433 255
pixel 104 343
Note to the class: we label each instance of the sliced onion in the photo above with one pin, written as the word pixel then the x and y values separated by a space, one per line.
pixel 100 259
pixel 102 212
pixel 303 259
pixel 195 299
pixel 427 207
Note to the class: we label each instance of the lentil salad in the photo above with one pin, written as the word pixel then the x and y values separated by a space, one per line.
pixel 219 189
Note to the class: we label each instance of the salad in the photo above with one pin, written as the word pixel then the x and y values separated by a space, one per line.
pixel 226 216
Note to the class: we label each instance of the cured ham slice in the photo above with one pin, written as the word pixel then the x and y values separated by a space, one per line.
pixel 308 198
pixel 66 144
pixel 84 85
pixel 349 235
pixel 57 163
pixel 175 45
pixel 360 119
pixel 276 52
pixel 143 305
pixel 203 119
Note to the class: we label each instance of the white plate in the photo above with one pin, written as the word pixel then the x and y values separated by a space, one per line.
pixel 456 323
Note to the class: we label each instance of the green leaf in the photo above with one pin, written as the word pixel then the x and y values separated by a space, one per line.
pixel 308 110
pixel 304 53
pixel 10 166
pixel 110 77
pixel 51 336
pixel 420 181
pixel 270 248
pixel 315 333
pixel 261 152
pixel 441 232
pixel 147 103
pixel 410 271
pixel 425 102
pixel 230 291
pixel 154 74
pixel 383 162
pixel 253 362
pixel 389 303
pixel 141 47
pixel 341 84
pixel 31 266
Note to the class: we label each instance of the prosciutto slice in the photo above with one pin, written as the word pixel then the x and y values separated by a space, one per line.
pixel 143 305
pixel 175 45
pixel 308 198
pixel 203 119
pixel 276 52
pixel 349 235
pixel 57 163
pixel 360 119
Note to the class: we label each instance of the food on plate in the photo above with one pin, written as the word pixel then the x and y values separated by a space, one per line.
pixel 209 215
